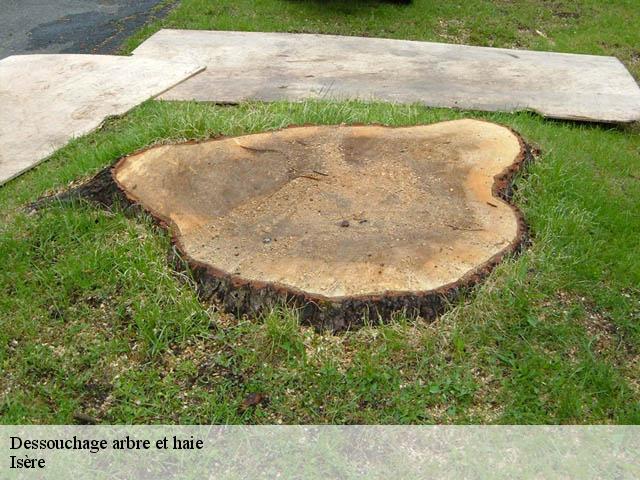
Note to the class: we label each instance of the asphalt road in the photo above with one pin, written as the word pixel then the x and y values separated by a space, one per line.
pixel 70 26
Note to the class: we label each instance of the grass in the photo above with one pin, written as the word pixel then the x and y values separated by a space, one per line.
pixel 93 320
pixel 582 26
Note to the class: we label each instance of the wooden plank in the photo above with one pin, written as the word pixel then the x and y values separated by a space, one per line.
pixel 46 100
pixel 284 66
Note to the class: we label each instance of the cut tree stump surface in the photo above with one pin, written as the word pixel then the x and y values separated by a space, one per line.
pixel 343 220
pixel 291 66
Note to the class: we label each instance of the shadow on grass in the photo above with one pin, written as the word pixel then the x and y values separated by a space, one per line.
pixel 347 7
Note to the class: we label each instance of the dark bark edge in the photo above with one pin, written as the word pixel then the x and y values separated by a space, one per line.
pixel 240 296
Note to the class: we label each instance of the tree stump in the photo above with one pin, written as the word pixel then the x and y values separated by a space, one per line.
pixel 342 222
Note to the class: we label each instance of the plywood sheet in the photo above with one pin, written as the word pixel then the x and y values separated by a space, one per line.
pixel 284 66
pixel 45 100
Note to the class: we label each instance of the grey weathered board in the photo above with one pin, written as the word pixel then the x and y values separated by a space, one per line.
pixel 46 100
pixel 285 66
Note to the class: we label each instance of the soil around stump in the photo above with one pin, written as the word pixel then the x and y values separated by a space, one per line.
pixel 343 222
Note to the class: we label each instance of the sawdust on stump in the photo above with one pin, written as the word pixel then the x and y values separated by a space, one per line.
pixel 344 222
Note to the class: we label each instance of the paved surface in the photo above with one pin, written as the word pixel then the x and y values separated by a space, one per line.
pixel 69 26
pixel 45 100
pixel 284 66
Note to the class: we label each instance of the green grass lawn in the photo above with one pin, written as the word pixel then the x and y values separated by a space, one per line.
pixel 93 320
